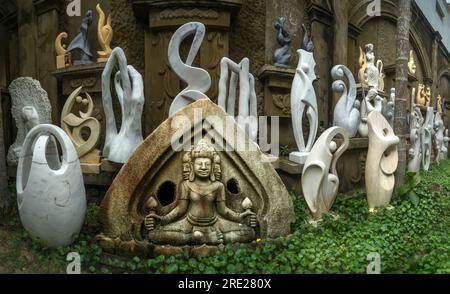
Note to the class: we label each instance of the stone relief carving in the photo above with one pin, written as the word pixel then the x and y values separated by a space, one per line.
pixel 188 13
pixel 247 117
pixel 104 34
pixel 119 145
pixel 303 98
pixel 81 42
pixel 283 102
pixel 282 56
pixel 382 160
pixel 197 79
pixel 30 107
pixel 320 181
pixel 346 112
pixel 411 63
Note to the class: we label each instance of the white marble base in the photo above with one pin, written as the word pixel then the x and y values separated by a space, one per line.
pixel 298 157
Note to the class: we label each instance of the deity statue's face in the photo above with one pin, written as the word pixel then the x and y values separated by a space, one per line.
pixel 202 167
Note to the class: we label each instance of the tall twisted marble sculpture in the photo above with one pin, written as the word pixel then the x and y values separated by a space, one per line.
pixel 247 117
pixel 197 79
pixel 411 63
pixel 282 56
pixel 120 145
pixel 75 125
pixel 389 108
pixel 346 112
pixel 439 137
pixel 50 192
pixel 416 124
pixel 104 34
pixel 320 180
pixel 63 59
pixel 81 41
pixel 427 138
pixel 370 73
pixel 303 98
pixel 382 160
pixel 30 107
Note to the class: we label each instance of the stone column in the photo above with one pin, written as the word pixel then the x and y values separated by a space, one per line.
pixel 340 29
pixel 27 38
pixel 434 68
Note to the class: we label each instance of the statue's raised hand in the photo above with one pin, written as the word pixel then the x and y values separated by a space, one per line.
pixel 251 215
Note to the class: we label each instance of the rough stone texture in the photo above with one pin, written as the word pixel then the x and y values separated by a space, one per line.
pixel 155 162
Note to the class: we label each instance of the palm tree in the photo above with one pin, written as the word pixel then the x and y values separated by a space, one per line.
pixel 401 86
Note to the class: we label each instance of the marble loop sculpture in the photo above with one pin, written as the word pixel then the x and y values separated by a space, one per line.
pixel 320 181
pixel 50 192
pixel 104 34
pixel 197 79
pixel 346 112
pixel 382 160
pixel 81 41
pixel 120 145
pixel 282 56
pixel 303 98
pixel 247 118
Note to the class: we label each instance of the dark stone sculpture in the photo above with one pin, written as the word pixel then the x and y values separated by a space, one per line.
pixel 283 55
pixel 81 42
pixel 307 44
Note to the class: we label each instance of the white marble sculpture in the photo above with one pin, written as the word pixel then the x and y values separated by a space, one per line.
pixel 415 152
pixel 50 191
pixel 346 112
pixel 120 145
pixel 303 98
pixel 427 138
pixel 439 137
pixel 445 148
pixel 320 180
pixel 389 108
pixel 30 107
pixel 370 74
pixel 247 117
pixel 382 161
pixel 197 79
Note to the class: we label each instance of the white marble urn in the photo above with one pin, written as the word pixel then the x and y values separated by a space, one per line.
pixel 51 196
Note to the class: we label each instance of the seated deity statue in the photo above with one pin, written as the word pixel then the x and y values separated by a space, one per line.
pixel 201 215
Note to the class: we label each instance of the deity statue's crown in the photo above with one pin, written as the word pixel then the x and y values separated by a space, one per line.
pixel 203 149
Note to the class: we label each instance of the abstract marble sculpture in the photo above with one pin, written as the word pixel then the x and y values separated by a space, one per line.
pixel 389 108
pixel 445 147
pixel 416 124
pixel 303 99
pixel 63 59
pixel 346 112
pixel 320 180
pixel 439 137
pixel 30 107
pixel 197 79
pixel 282 56
pixel 370 74
pixel 76 126
pixel 81 42
pixel 382 160
pixel 50 191
pixel 104 34
pixel 247 117
pixel 427 138
pixel 120 145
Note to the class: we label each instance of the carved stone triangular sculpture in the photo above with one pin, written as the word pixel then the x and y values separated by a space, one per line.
pixel 156 201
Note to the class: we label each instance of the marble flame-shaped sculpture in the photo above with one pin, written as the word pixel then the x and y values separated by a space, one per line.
pixel 30 107
pixel 75 125
pixel 370 73
pixel 320 180
pixel 104 34
pixel 81 41
pixel 120 145
pixel 411 63
pixel 247 117
pixel 303 99
pixel 346 112
pixel 50 192
pixel 197 79
pixel 439 137
pixel 389 108
pixel 282 56
pixel 427 138
pixel 63 59
pixel 382 161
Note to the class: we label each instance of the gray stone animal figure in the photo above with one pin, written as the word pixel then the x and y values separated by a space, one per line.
pixel 283 55
pixel 81 41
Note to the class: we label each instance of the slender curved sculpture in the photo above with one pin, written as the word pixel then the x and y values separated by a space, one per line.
pixel 51 196
pixel 104 34
pixel 62 57
pixel 427 138
pixel 282 56
pixel 382 161
pixel 346 112
pixel 247 117
pixel 320 181
pixel 197 79
pixel 120 145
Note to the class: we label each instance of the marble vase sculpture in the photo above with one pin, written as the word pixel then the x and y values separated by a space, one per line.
pixel 370 73
pixel 104 34
pixel 63 58
pixel 382 161
pixel 247 117
pixel 439 130
pixel 119 145
pixel 282 56
pixel 50 191
pixel 30 107
pixel 427 138
pixel 81 41
pixel 320 181
pixel 346 111
pixel 197 79
pixel 389 108
pixel 76 126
